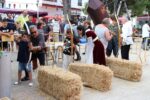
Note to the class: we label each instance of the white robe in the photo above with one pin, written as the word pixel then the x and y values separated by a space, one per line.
pixel 89 51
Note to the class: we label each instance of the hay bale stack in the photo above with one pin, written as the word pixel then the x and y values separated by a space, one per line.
pixel 59 83
pixel 125 69
pixel 98 77
pixel 5 98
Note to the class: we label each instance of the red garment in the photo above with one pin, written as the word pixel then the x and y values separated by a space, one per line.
pixel 98 51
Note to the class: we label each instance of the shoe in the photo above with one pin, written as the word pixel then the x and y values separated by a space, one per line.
pixel 17 83
pixel 30 84
pixel 25 79
pixel 83 53
pixel 79 59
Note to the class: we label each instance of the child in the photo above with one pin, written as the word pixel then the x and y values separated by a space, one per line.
pixel 23 58
pixel 67 57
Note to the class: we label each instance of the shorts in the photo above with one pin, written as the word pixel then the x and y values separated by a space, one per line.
pixel 25 66
pixel 4 45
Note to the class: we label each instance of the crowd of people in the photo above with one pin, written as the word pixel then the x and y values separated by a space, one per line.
pixel 101 40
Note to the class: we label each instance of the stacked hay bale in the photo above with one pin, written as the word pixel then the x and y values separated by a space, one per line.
pixel 125 69
pixel 59 83
pixel 95 76
pixel 5 98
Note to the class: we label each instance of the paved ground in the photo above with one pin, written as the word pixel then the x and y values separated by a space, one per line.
pixel 121 89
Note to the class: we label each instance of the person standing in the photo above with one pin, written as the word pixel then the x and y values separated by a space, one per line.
pixel 28 23
pixel 113 43
pixel 3 3
pixel 98 51
pixel 103 32
pixel 21 20
pixel 89 45
pixel 69 49
pixel 127 40
pixel 38 43
pixel 145 34
pixel 6 30
pixel 23 58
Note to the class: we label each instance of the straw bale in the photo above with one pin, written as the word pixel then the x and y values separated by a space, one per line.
pixel 63 85
pixel 5 98
pixel 96 76
pixel 125 69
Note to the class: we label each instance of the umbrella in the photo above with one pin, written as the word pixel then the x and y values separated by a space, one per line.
pixel 97 11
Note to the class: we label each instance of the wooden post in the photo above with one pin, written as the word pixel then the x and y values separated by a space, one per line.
pixel 72 44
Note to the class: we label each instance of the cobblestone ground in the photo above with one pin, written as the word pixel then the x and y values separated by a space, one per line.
pixel 121 89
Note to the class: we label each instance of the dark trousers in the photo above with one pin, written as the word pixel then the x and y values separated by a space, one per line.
pixel 144 41
pixel 125 52
pixel 40 56
pixel 77 53
pixel 112 46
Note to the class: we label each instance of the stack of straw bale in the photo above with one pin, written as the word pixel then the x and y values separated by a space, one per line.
pixel 96 76
pixel 125 69
pixel 5 98
pixel 63 85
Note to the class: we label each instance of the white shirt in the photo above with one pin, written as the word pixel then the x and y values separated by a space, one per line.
pixel 145 30
pixel 100 32
pixel 127 33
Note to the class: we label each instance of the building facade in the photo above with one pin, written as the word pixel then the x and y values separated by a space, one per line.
pixel 55 7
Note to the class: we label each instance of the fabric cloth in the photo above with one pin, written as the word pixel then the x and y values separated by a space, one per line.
pixel 98 50
pixel 100 32
pixel 145 31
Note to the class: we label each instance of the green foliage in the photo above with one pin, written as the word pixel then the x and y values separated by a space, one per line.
pixel 138 6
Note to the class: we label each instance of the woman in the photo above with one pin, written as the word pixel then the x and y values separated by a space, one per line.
pixel 97 50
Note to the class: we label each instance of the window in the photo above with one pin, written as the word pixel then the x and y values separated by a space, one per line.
pixel 79 2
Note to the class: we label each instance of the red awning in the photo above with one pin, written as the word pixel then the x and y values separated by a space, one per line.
pixel 18 11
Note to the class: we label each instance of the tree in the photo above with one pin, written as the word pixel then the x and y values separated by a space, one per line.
pixel 137 6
